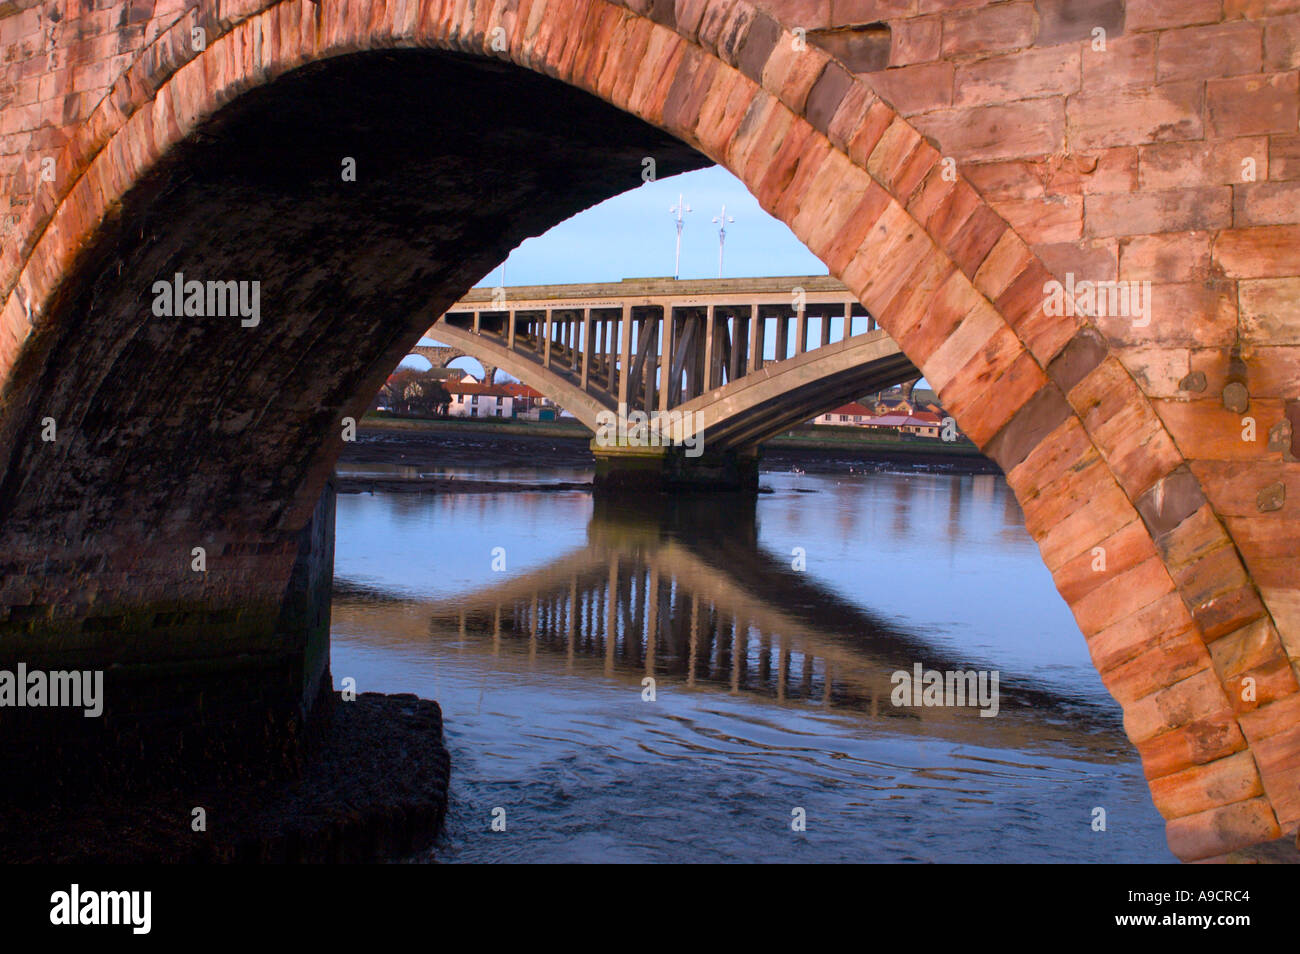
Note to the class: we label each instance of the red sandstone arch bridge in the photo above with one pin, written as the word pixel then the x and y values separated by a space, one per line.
pixel 161 508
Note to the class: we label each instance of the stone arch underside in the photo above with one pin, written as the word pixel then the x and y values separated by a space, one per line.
pixel 1090 462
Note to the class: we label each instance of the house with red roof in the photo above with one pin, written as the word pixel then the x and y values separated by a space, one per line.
pixel 851 414
pixel 920 424
pixel 900 419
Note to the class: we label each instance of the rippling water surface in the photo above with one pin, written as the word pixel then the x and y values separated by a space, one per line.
pixel 770 633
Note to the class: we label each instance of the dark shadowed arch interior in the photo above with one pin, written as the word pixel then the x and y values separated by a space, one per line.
pixel 175 534
pixel 203 423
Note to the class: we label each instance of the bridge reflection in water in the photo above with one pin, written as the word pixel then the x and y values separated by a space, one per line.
pixel 681 590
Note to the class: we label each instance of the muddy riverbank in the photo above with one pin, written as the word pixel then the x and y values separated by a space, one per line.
pixel 450 457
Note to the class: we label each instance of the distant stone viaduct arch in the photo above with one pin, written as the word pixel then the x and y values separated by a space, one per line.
pixel 440 356
pixel 947 161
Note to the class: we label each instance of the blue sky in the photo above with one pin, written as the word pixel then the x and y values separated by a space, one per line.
pixel 633 236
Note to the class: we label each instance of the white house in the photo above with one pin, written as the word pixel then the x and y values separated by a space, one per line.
pixel 479 400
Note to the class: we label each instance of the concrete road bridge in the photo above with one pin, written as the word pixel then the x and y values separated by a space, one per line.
pixel 714 365
pixel 315 181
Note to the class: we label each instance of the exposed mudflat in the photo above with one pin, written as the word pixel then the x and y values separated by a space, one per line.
pixel 429 451
pixel 429 448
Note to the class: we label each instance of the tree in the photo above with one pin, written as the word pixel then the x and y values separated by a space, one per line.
pixel 437 396
pixel 411 393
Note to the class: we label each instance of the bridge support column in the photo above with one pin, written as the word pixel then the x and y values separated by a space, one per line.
pixel 588 349
pixel 625 357
pixel 627 469
pixel 650 367
pixel 710 349
pixel 666 360
pixel 611 353
pixel 739 346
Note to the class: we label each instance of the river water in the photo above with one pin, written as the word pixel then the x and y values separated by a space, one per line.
pixel 738 684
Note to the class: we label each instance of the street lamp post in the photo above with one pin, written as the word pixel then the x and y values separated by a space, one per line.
pixel 679 210
pixel 722 220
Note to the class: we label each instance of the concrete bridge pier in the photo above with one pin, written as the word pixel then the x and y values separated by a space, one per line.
pixel 625 469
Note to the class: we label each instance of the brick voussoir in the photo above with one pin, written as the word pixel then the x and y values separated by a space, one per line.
pixel 1015 381
pixel 1203 788
pixel 920 331
pixel 1097 518
pixel 1007 260
pixel 1229 611
pixel 878 118
pixel 1194 537
pixel 1127 639
pixel 822 218
pixel 1117 416
pixel 828 92
pixel 1140 451
pixel 1080 356
pixel 895 145
pixel 933 192
pixel 850 116
pixel 976 239
pixel 691 82
pixel 647 93
pixel 844 248
pixel 1029 427
pixel 1123 550
pixel 631 44
pixel 886 257
pixel 724 110
pixel 1023 305
pixel 923 292
pixel 764 119
pixel 603 74
pixel 1065 448
pixel 1220 830
pixel 1277 716
pixel 1179 656
pixel 800 175
pixel 89 142
pixel 1213 736
pixel 754 46
pixel 1177 704
pixel 1133 590
pixel 789 74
